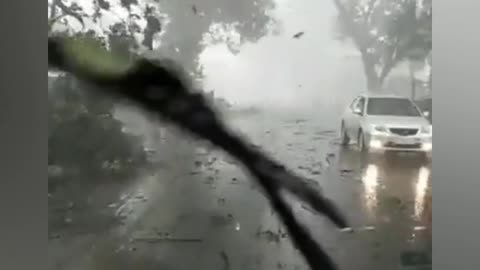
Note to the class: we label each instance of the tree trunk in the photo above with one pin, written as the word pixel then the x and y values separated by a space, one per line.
pixel 374 84
pixel 412 81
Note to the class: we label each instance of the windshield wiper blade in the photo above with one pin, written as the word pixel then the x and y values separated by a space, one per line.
pixel 163 89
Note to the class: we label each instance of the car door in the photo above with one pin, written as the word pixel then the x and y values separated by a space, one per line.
pixel 348 119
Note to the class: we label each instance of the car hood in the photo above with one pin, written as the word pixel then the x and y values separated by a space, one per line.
pixel 397 121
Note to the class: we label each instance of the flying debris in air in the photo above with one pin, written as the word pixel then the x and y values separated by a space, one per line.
pixel 298 35
pixel 196 12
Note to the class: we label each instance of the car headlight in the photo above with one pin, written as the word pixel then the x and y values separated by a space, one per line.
pixel 379 129
pixel 426 130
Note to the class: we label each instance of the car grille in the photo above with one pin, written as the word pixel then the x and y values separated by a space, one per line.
pixel 404 146
pixel 404 131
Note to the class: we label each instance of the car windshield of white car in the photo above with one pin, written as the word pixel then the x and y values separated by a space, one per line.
pixel 392 107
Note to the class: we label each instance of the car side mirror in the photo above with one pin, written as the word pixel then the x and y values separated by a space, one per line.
pixel 357 111
pixel 426 113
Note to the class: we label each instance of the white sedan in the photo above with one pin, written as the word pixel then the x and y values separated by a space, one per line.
pixel 379 123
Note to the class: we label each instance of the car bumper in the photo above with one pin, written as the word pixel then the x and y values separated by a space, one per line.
pixel 400 143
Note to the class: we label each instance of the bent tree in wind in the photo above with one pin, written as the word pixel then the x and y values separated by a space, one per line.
pixel 386 32
pixel 163 89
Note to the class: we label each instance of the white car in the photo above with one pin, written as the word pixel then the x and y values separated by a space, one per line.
pixel 379 123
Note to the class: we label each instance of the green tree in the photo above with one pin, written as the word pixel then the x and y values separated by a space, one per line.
pixel 386 32
pixel 190 22
pixel 84 136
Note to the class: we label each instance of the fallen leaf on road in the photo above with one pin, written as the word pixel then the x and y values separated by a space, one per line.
pixel 344 171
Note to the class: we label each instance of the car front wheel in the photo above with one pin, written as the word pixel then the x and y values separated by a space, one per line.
pixel 361 142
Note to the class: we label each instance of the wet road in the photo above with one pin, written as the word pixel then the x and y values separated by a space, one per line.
pixel 200 211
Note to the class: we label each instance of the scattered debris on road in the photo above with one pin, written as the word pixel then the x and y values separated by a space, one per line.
pixel 271 236
pixel 329 158
pixel 359 229
pixel 153 240
pixel 298 121
pixel 345 172
pixel 221 201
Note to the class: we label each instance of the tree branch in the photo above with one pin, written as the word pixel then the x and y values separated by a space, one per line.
pixel 346 18
pixel 371 7
pixel 66 10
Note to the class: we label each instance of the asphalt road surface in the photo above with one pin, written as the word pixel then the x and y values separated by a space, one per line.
pixel 199 210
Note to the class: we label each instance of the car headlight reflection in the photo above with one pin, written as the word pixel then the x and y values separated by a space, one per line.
pixel 427 146
pixel 421 187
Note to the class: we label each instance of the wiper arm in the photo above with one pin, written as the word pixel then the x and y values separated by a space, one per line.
pixel 163 89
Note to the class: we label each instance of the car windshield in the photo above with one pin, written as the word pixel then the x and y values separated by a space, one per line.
pixel 198 134
pixel 391 106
